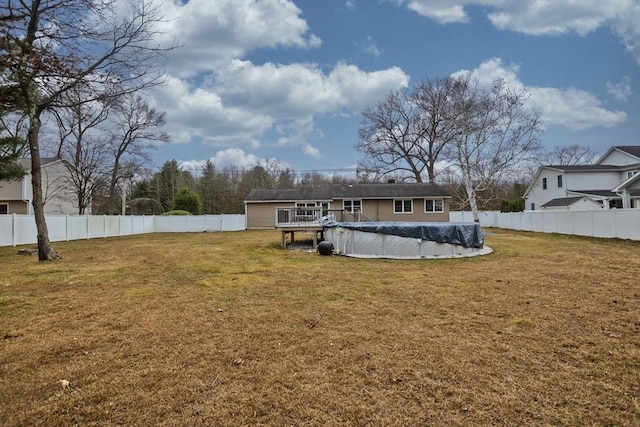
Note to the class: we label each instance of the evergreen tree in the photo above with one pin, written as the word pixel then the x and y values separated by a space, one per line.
pixel 187 200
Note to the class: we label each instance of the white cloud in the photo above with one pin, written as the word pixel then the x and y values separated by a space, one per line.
pixel 244 101
pixel 199 113
pixel 442 11
pixel 215 96
pixel 544 17
pixel 311 151
pixel 298 90
pixel 572 108
pixel 370 48
pixel 234 158
pixel 213 32
pixel 620 91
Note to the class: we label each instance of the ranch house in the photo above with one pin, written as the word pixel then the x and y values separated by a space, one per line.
pixel 390 202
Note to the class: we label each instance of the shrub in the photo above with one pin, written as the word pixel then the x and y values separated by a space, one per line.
pixel 512 205
pixel 176 212
pixel 187 200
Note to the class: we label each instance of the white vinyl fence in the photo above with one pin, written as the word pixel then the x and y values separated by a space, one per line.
pixel 613 223
pixel 21 229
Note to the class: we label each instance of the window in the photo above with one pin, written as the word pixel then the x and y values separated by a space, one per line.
pixel 544 183
pixel 559 181
pixel 631 173
pixel 433 205
pixel 4 208
pixel 533 206
pixel 305 213
pixel 403 206
pixel 352 205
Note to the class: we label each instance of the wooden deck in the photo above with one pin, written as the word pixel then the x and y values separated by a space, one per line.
pixel 312 228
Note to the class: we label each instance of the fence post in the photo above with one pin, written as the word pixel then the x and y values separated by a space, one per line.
pixel 66 225
pixel 14 227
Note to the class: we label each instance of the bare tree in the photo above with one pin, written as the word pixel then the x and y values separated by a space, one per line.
pixel 83 143
pixel 496 135
pixel 406 134
pixel 438 130
pixel 392 137
pixel 136 126
pixel 571 155
pixel 49 47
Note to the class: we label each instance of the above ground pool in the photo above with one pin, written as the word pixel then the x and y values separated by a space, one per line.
pixel 406 240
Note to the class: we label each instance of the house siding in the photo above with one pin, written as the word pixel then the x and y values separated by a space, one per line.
pixel 591 181
pixel 263 215
pixel 57 189
pixel 11 190
pixel 16 206
pixel 539 196
pixel 619 158
pixel 382 210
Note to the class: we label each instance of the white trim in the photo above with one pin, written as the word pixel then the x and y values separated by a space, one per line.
pixel 403 211
pixel 434 205
pixel 351 200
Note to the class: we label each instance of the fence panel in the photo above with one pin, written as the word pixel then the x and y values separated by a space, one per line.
pixel 613 223
pixel 627 224
pixel 6 230
pixel 21 229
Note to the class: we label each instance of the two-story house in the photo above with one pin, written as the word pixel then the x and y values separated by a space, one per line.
pixel 58 193
pixel 612 182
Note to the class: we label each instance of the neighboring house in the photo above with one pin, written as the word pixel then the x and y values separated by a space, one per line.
pixel 612 182
pixel 365 202
pixel 57 191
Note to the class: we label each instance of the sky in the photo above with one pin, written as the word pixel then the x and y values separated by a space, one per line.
pixel 287 80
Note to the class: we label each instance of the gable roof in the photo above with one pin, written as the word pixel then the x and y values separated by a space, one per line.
pixel 591 168
pixel 561 202
pixel 288 194
pixel 348 191
pixel 625 184
pixel 26 163
pixel 578 168
pixel 632 150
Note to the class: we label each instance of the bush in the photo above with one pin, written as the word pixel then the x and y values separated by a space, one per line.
pixel 176 212
pixel 187 200
pixel 512 205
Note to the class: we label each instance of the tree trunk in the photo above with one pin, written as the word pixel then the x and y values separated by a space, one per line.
pixel 473 204
pixel 45 251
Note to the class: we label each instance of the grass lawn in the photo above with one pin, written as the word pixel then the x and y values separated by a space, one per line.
pixel 229 329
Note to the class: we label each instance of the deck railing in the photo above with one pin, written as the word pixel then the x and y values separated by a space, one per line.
pixel 310 216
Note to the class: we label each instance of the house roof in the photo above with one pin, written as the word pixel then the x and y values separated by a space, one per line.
pixel 26 163
pixel 591 168
pixel 288 194
pixel 625 184
pixel 562 202
pixel 580 168
pixel 632 150
pixel 597 193
pixel 348 191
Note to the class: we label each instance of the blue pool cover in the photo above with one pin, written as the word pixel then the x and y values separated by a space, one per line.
pixel 467 234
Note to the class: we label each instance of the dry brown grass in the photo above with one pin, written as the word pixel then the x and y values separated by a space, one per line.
pixel 229 329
